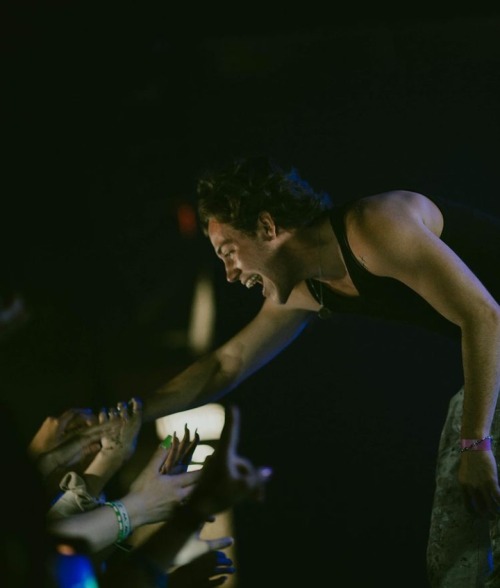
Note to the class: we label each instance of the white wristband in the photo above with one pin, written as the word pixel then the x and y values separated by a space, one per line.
pixel 124 527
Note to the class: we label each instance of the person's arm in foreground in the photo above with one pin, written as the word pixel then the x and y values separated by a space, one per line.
pixel 220 371
pixel 151 498
pixel 67 442
pixel 226 479
pixel 117 446
pixel 208 569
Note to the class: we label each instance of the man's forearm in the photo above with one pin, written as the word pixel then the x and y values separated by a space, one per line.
pixel 481 364
pixel 203 381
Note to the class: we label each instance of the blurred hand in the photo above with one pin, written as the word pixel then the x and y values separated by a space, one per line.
pixel 227 478
pixel 180 453
pixel 120 440
pixel 202 572
pixel 195 546
pixel 54 430
pixel 75 449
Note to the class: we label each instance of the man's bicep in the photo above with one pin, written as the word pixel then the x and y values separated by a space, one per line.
pixel 428 266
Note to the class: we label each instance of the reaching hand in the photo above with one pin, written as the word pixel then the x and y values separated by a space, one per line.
pixel 227 478
pixel 200 572
pixel 120 441
pixel 76 449
pixel 196 546
pixel 180 453
pixel 160 493
pixel 54 430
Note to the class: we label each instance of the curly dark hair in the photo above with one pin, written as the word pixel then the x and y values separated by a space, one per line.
pixel 237 193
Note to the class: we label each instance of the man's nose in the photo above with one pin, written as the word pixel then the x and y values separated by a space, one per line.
pixel 232 273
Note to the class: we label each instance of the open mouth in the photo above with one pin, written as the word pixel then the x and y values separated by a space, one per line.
pixel 252 280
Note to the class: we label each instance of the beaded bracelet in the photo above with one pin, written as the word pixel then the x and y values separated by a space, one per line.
pixel 483 444
pixel 124 527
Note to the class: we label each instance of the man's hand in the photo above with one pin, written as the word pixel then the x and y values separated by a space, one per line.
pixel 479 479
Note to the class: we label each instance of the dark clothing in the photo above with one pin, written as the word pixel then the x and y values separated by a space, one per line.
pixel 473 235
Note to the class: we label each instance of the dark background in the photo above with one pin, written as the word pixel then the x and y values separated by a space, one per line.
pixel 109 116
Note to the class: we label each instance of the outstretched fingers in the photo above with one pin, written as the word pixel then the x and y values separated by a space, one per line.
pixel 207 570
pixel 230 434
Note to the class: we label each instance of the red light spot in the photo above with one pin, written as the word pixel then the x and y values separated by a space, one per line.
pixel 186 217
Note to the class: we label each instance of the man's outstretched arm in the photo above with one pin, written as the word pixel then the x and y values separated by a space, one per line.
pixel 220 371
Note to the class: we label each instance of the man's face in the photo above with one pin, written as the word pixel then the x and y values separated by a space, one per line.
pixel 251 259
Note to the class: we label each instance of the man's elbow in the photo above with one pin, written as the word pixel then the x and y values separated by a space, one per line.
pixel 488 316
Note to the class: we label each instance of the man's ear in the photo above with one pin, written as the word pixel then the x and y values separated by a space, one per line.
pixel 267 226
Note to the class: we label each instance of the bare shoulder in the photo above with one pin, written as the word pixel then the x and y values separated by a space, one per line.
pixel 388 228
pixel 395 209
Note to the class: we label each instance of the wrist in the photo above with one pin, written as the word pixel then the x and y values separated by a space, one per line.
pixel 47 463
pixel 123 520
pixel 137 511
pixel 103 467
pixel 481 444
pixel 109 458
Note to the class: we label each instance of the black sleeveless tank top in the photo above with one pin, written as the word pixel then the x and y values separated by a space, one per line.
pixel 472 234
